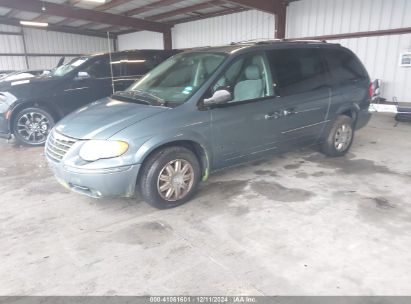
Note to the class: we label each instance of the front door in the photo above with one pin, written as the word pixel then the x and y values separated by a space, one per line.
pixel 88 84
pixel 242 128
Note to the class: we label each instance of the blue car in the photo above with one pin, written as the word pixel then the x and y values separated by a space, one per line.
pixel 208 109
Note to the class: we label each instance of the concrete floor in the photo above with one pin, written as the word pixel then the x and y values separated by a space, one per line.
pixel 298 224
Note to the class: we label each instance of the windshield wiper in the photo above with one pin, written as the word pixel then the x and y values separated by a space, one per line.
pixel 130 97
pixel 141 96
pixel 142 93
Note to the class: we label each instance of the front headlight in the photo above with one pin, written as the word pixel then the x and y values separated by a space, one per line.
pixel 98 149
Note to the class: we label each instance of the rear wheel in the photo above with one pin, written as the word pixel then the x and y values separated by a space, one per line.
pixel 339 138
pixel 32 125
pixel 169 177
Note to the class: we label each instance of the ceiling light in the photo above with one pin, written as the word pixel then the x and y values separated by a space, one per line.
pixel 32 23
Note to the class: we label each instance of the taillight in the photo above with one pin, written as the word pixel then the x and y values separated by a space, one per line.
pixel 371 90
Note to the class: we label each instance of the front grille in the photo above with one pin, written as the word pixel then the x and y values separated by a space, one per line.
pixel 57 145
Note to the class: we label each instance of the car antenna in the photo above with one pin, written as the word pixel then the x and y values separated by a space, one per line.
pixel 111 65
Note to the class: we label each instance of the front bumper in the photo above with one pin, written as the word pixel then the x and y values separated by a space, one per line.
pixel 4 127
pixel 113 182
pixel 5 135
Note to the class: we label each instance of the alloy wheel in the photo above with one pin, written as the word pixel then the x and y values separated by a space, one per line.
pixel 33 127
pixel 343 137
pixel 175 180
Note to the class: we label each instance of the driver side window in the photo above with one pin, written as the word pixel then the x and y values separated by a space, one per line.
pixel 99 68
pixel 247 78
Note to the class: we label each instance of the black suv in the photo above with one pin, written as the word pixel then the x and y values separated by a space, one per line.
pixel 30 107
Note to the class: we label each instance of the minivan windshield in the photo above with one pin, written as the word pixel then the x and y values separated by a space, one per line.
pixel 177 79
pixel 68 67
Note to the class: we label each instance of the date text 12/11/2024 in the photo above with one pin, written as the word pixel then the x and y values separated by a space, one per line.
pixel 203 299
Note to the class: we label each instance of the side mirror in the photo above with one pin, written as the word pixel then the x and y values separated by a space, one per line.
pixel 82 75
pixel 219 97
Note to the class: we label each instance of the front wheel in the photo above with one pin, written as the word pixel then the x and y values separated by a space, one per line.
pixel 32 125
pixel 339 138
pixel 169 177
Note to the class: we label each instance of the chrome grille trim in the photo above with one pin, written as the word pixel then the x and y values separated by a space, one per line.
pixel 58 145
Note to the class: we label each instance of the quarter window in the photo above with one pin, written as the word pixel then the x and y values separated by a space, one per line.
pixel 246 79
pixel 344 67
pixel 296 71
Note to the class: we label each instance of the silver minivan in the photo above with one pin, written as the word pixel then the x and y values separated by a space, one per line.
pixel 208 109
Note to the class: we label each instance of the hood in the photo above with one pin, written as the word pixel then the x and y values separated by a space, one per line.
pixel 30 87
pixel 104 118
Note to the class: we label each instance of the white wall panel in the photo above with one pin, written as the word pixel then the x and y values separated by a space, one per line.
pixel 12 63
pixel 46 42
pixel 11 44
pixel 224 29
pixel 379 54
pixel 207 32
pixel 141 40
pixel 324 17
pixel 40 41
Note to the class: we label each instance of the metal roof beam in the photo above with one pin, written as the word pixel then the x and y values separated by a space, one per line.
pixel 63 29
pixel 185 10
pixel 151 6
pixel 268 6
pixel 67 11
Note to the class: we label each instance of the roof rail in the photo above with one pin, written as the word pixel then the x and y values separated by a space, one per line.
pixel 304 40
pixel 257 40
pixel 271 40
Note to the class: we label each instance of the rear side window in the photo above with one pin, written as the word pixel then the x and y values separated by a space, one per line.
pixel 344 67
pixel 296 71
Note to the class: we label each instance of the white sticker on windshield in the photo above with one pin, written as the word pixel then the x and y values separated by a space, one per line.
pixel 187 90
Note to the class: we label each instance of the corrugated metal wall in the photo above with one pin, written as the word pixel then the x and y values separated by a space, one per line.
pixel 208 32
pixel 141 40
pixel 11 44
pixel 222 30
pixel 45 42
pixel 379 54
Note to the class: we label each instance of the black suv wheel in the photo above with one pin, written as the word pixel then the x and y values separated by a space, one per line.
pixel 339 138
pixel 169 177
pixel 32 125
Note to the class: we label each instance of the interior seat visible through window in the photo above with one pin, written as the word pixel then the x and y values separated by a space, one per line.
pixel 247 78
pixel 252 87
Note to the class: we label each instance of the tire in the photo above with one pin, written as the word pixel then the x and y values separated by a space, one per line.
pixel 339 137
pixel 158 182
pixel 31 126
